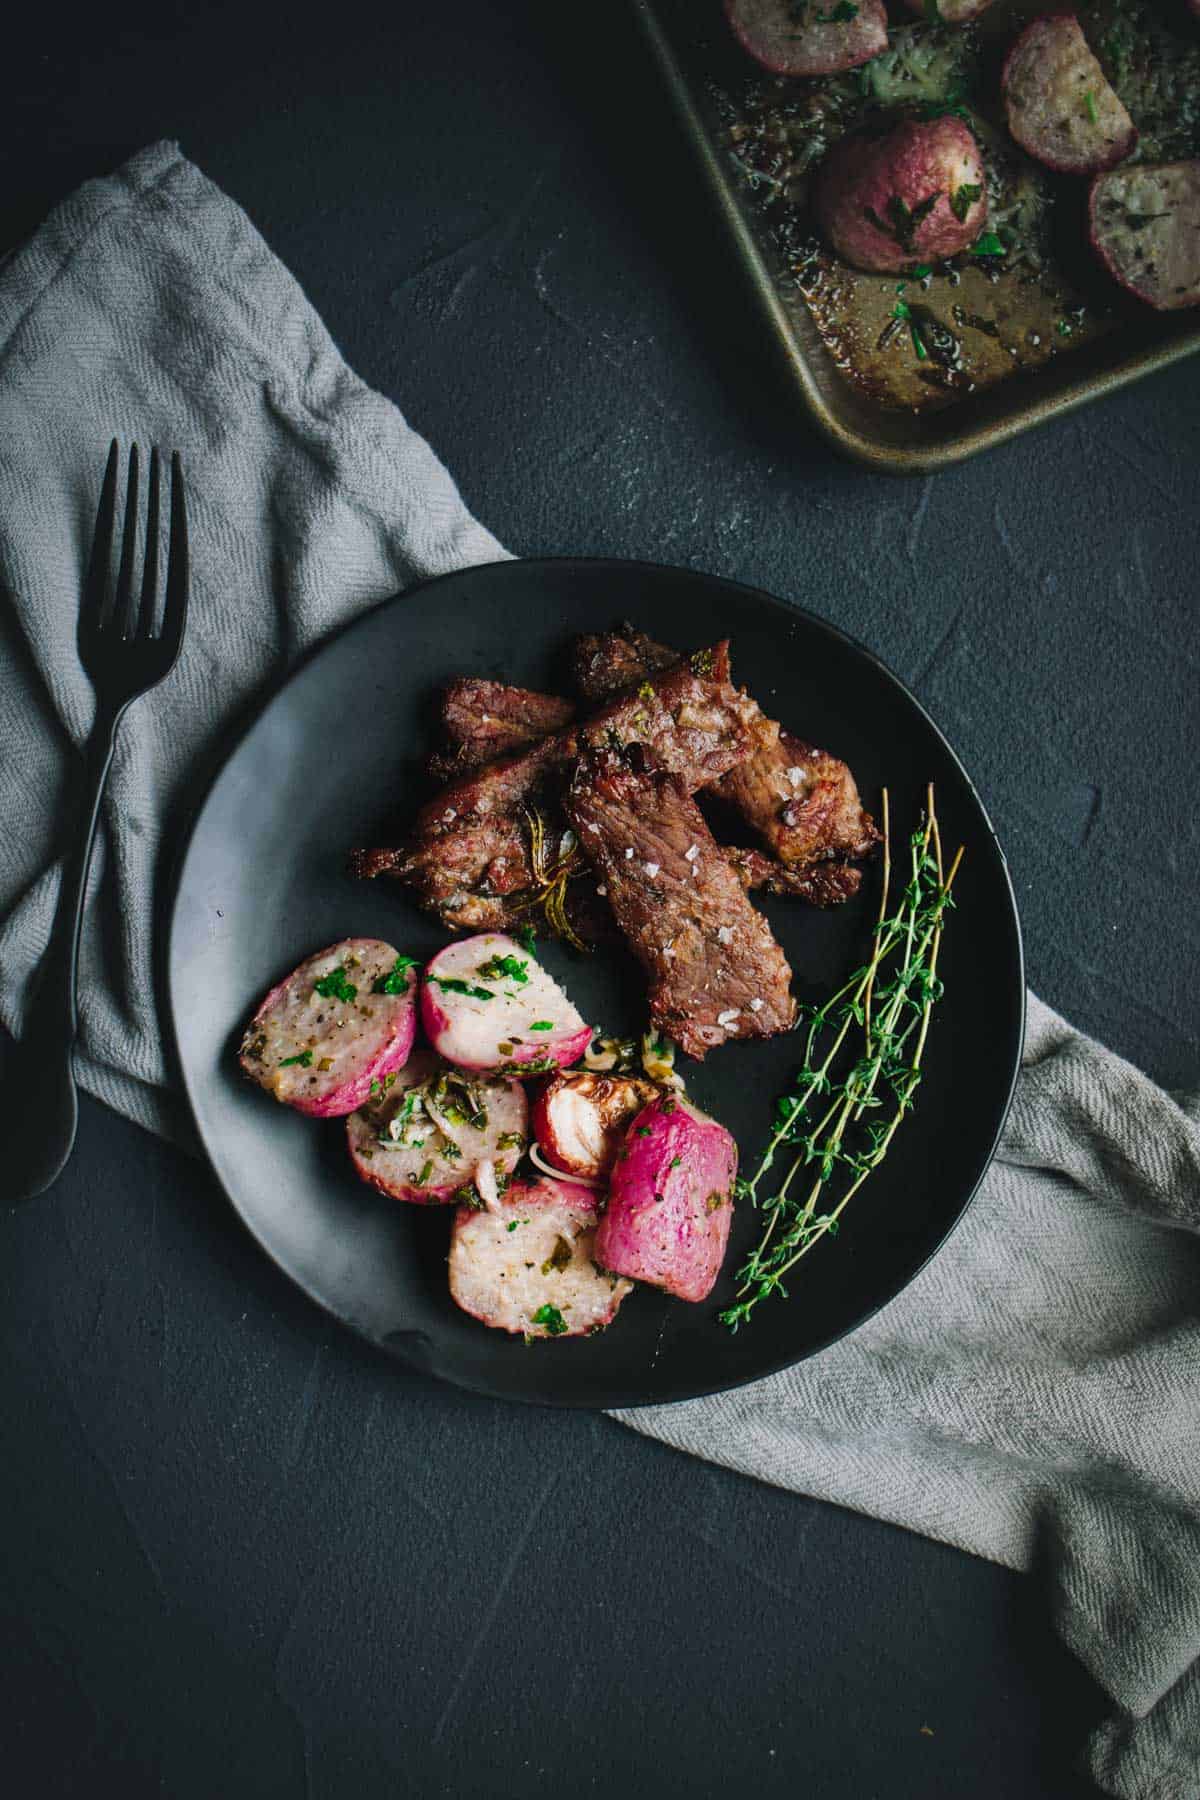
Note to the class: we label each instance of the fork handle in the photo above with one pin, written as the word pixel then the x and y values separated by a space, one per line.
pixel 41 1084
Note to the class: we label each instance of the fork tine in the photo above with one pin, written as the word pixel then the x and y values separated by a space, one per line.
pixel 91 614
pixel 122 608
pixel 176 603
pixel 144 625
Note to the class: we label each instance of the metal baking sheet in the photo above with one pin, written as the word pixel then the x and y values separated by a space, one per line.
pixel 1015 340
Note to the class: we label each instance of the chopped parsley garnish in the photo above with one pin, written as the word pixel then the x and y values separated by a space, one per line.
pixel 334 986
pixel 902 310
pixel 510 1140
pixel 921 271
pixel 904 222
pixel 1063 328
pixel 542 1025
pixel 497 967
pixel 453 985
pixel 987 244
pixel 964 198
pixel 396 979
pixel 644 1131
pixel 1089 101
pixel 675 1162
pixel 304 1059
pixel 526 939
pixel 426 1172
pixel 512 1225
pixel 551 1318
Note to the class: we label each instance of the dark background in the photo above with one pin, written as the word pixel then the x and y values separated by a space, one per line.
pixel 238 1553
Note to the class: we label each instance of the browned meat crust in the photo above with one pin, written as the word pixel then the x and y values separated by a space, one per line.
pixel 492 715
pixel 605 663
pixel 715 970
pixel 803 802
pixel 821 884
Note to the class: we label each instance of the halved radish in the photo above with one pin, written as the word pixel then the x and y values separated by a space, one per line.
pixel 1060 107
pixel 579 1119
pixel 431 1132
pixel 670 1203
pixel 913 194
pixel 527 1265
pixel 1144 223
pixel 344 1019
pixel 487 1004
pixel 809 37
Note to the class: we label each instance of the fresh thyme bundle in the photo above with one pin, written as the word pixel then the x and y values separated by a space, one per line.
pixel 887 1006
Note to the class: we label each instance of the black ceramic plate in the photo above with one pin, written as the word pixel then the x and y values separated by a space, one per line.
pixel 263 882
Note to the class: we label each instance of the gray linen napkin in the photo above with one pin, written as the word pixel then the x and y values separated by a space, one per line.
pixel 1032 1397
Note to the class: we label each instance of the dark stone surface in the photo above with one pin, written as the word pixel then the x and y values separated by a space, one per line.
pixel 239 1555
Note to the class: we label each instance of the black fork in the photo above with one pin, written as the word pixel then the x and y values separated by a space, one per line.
pixel 127 645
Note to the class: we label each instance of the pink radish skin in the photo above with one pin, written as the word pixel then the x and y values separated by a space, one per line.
pixel 811 42
pixel 497 1035
pixel 533 1251
pixel 868 186
pixel 1060 108
pixel 670 1204
pixel 396 1171
pixel 579 1119
pixel 296 1030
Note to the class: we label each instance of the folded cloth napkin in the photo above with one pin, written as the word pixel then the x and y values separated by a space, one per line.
pixel 1032 1397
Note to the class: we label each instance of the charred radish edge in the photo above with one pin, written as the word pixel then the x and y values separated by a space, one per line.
pixel 670 1201
pixel 828 37
pixel 443 1157
pixel 527 1268
pixel 579 1119
pixel 1142 221
pixel 343 1019
pixel 1060 107
pixel 487 1005
pixel 556 1174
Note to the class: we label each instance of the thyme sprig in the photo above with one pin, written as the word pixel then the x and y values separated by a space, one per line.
pixel 890 1000
pixel 552 871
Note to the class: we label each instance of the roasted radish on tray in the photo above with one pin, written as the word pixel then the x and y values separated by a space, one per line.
pixel 809 37
pixel 1145 228
pixel 1060 107
pixel 916 193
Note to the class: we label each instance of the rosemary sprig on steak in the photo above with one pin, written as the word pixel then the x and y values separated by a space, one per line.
pixel 889 1001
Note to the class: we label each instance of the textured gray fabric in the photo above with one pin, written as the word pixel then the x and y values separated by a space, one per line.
pixel 148 307
pixel 1032 1397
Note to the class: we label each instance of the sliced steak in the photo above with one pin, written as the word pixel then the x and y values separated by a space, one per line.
pixel 803 802
pixel 821 884
pixel 605 663
pixel 715 970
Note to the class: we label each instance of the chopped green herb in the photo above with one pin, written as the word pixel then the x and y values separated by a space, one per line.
pixel 510 1140
pixel 396 979
pixel 551 1318
pixel 513 1223
pixel 559 1258
pixel 334 986
pixel 304 1059
pixel 497 967
pixel 964 198
pixel 921 271
pixel 675 1162
pixel 1089 101
pixel 1064 328
pixel 453 985
pixel 904 222
pixel 451 1152
pixel 542 1025
pixel 426 1172
pixel 987 244
pixel 841 14
pixel 918 343
pixel 526 938
pixel 644 1131
pixel 714 1203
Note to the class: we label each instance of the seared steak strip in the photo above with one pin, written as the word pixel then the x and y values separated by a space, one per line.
pixel 803 802
pixel 486 719
pixel 715 970
pixel 605 663
pixel 821 884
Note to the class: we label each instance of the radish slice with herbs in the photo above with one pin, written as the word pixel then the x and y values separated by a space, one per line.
pixel 1060 107
pixel 527 1267
pixel 344 1019
pixel 431 1132
pixel 488 1005
pixel 1144 223
pixel 809 37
